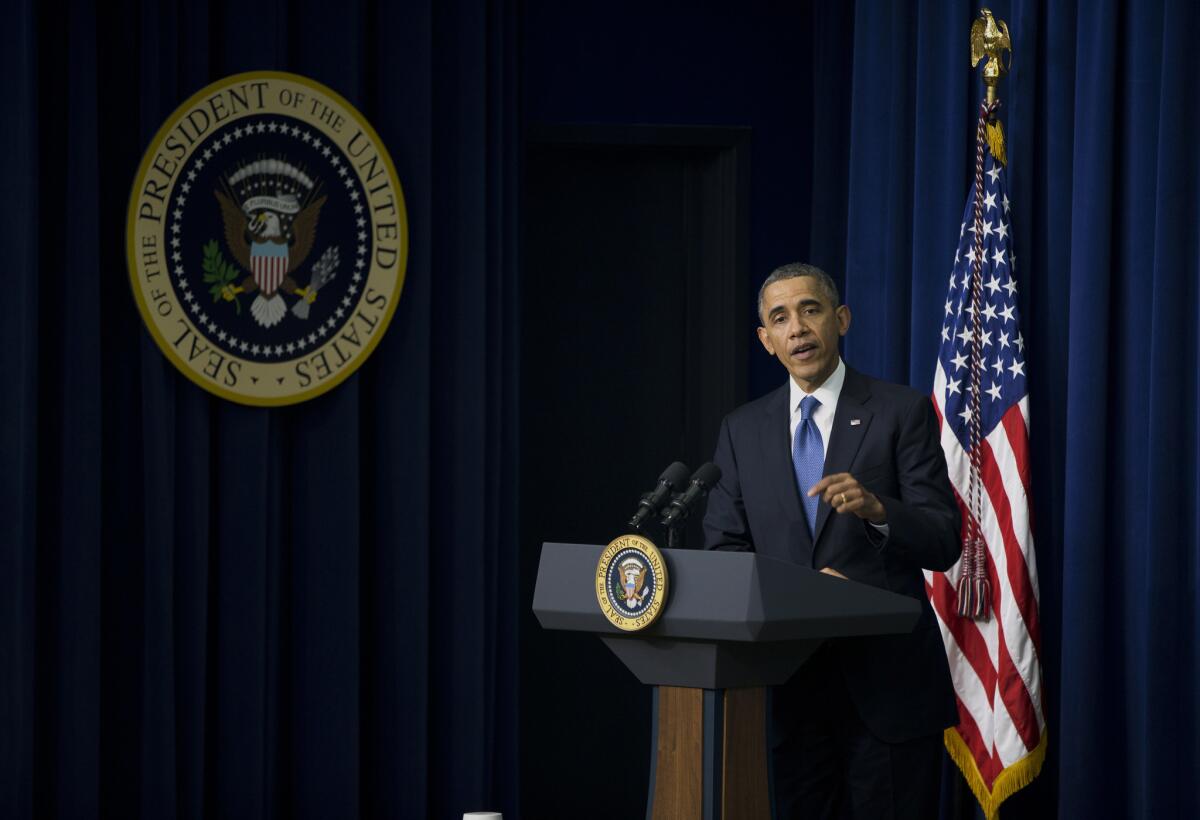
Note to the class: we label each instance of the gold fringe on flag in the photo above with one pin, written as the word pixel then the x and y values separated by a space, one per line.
pixel 1008 782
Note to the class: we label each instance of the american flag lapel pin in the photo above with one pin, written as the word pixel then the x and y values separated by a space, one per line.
pixel 855 422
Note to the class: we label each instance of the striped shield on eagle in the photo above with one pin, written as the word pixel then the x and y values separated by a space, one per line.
pixel 268 264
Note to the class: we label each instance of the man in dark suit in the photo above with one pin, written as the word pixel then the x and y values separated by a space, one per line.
pixel 842 472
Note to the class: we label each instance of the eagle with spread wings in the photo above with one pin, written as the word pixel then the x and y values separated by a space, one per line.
pixel 270 237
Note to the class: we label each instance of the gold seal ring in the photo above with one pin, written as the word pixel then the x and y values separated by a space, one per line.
pixel 631 602
pixel 843 499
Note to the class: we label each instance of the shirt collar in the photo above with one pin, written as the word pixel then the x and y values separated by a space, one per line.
pixel 827 394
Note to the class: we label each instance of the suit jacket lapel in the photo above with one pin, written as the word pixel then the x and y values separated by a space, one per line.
pixel 845 438
pixel 776 456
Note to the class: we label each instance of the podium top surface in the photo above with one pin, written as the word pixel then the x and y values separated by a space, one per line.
pixel 724 596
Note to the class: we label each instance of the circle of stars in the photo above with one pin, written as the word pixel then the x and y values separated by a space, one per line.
pixel 200 318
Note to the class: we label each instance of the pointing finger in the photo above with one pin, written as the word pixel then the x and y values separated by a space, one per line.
pixel 827 481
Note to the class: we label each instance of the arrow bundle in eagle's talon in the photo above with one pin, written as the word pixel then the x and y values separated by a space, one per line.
pixel 322 274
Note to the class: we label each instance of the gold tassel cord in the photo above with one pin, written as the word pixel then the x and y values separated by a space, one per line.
pixel 995 141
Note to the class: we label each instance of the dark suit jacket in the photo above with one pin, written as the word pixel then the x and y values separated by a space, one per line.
pixel 900 684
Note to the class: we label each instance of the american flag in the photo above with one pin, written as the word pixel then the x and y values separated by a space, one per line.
pixel 1000 740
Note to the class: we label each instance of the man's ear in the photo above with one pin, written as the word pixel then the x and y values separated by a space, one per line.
pixel 843 318
pixel 765 338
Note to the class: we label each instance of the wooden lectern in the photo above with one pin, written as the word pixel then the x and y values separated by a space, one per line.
pixel 734 623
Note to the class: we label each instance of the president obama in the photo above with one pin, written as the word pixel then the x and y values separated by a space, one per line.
pixel 843 473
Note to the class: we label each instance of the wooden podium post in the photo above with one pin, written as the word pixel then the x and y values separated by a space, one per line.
pixel 710 756
pixel 677 782
pixel 744 795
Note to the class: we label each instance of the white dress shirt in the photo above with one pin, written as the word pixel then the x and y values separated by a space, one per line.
pixel 827 394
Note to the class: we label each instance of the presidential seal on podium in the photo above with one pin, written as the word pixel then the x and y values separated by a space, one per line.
pixel 631 582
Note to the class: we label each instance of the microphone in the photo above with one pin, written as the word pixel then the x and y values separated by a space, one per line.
pixel 702 481
pixel 670 481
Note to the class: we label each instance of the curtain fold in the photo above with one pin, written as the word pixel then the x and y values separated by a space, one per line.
pixel 210 610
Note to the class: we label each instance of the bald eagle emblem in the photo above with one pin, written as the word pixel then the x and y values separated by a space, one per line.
pixel 271 209
pixel 633 574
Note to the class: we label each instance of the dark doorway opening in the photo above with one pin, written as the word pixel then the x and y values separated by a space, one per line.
pixel 633 338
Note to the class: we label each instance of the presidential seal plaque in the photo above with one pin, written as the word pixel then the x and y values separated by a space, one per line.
pixel 631 582
pixel 267 238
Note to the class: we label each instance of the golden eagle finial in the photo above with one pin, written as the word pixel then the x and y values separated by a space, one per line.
pixel 989 37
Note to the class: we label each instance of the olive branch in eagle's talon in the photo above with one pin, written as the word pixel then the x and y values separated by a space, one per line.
pixel 220 275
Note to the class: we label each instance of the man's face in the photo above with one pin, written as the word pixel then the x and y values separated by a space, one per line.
pixel 801 329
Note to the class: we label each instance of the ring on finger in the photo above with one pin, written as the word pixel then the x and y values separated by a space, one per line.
pixel 843 499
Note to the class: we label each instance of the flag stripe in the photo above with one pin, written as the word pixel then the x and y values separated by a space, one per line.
pixel 1020 574
pixel 965 634
pixel 974 709
pixel 1018 436
pixel 1018 439
pixel 1013 691
pixel 1021 711
pixel 988 764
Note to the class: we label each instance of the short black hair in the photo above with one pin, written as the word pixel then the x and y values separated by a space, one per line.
pixel 794 270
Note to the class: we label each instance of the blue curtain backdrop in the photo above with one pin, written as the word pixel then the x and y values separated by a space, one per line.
pixel 209 610
pixel 1105 183
pixel 347 647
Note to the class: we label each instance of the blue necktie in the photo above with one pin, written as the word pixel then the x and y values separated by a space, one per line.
pixel 808 458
